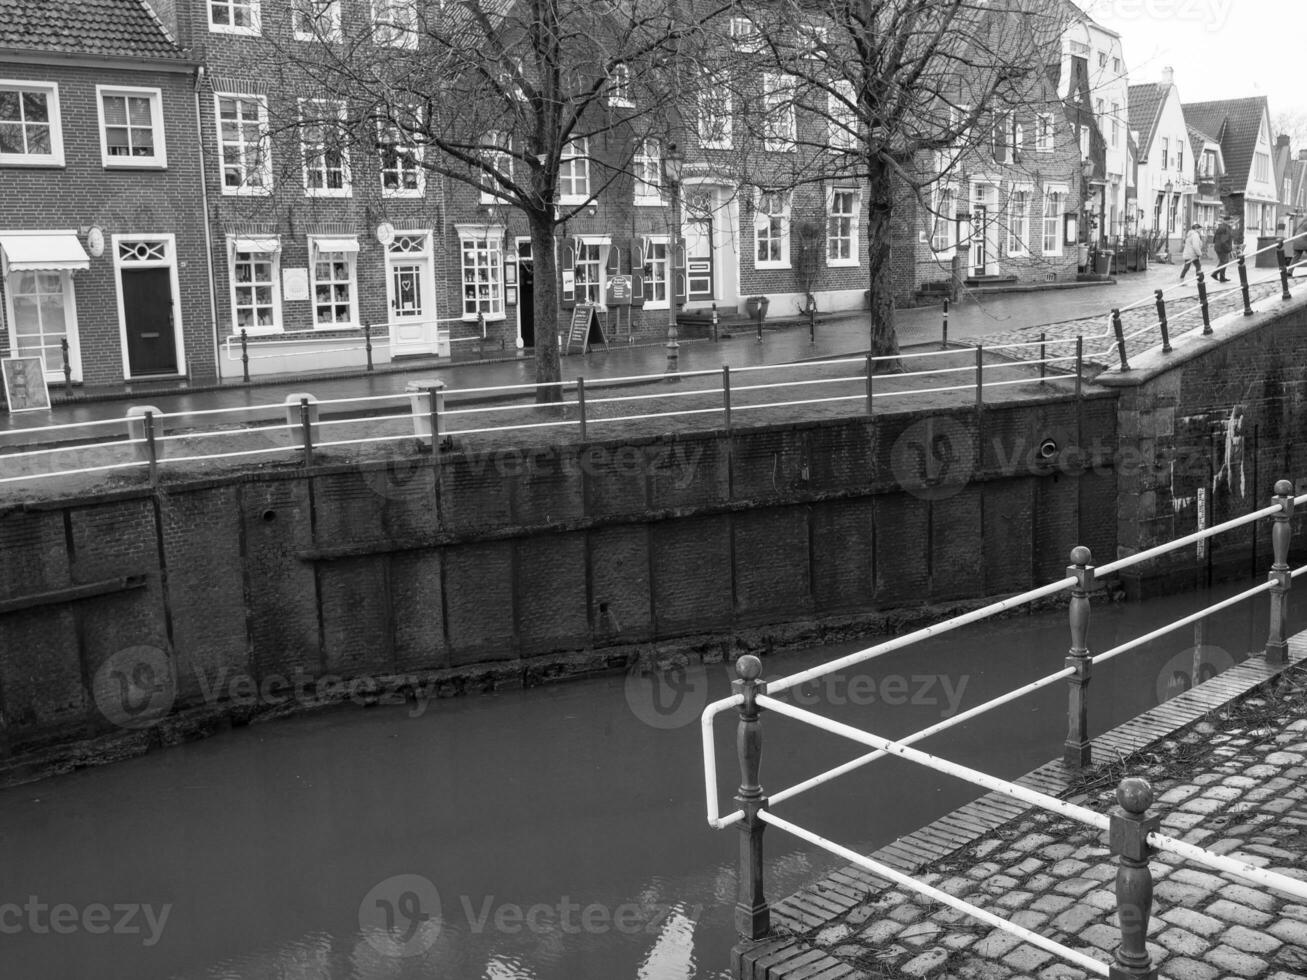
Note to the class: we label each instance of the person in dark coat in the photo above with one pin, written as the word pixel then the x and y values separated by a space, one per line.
pixel 1223 242
pixel 1299 244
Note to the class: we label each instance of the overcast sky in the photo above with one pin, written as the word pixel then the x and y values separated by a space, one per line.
pixel 1220 49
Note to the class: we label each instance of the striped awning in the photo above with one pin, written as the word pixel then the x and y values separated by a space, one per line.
pixel 53 252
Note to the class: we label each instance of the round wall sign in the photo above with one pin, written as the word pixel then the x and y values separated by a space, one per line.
pixel 95 242
pixel 385 233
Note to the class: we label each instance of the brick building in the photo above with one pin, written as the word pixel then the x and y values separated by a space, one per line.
pixel 102 233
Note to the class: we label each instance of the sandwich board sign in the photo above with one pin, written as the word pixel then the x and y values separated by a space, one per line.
pixel 24 380
pixel 586 319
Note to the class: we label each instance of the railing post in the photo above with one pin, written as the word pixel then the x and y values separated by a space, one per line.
pixel 1276 641
pixel 436 396
pixel 1077 751
pixel 871 371
pixel 580 404
pixel 943 343
pixel 1120 338
pixel 68 367
pixel 1161 321
pixel 367 342
pixel 980 377
pixel 1202 302
pixel 714 322
pixel 1282 261
pixel 1128 839
pixel 726 394
pixel 812 322
pixel 245 356
pixel 1080 365
pixel 151 448
pixel 1243 286
pixel 306 428
pixel 1043 357
pixel 752 915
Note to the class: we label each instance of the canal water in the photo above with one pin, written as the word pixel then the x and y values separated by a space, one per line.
pixel 551 834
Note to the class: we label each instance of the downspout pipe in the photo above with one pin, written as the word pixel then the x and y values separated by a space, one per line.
pixel 208 230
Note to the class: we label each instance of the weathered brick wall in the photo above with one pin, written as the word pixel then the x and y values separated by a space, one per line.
pixel 482 565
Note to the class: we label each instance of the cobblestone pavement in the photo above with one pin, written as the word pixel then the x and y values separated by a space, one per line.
pixel 1235 784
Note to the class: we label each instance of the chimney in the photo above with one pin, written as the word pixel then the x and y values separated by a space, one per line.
pixel 1281 140
pixel 1168 75
pixel 1302 154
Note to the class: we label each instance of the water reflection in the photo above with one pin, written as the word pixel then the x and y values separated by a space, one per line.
pixel 564 832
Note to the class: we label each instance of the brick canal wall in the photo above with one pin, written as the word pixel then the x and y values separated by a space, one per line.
pixel 493 570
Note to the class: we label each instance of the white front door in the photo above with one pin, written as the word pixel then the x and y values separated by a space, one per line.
pixel 411 293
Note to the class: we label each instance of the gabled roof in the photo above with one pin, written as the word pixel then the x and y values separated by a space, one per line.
pixel 1146 102
pixel 108 28
pixel 1198 139
pixel 1236 122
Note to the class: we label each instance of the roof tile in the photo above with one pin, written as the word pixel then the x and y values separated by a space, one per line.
pixel 118 28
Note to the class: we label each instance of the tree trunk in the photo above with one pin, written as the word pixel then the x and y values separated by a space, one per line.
pixel 545 308
pixel 880 205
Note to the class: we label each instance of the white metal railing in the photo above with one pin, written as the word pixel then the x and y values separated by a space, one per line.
pixel 1133 832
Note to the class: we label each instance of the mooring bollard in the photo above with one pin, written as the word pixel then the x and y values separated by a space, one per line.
pixel 1277 647
pixel 423 395
pixel 1128 840
pixel 302 411
pixel 1161 321
pixel 1120 339
pixel 1202 302
pixel 1243 287
pixel 1077 752
pixel 142 430
pixel 752 915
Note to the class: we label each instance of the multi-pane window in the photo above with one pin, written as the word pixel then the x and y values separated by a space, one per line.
pixel 1261 166
pixel 483 286
pixel 254 289
pixel 778 121
pixel 1084 142
pixel 589 273
pixel 1044 132
pixel 131 127
pixel 771 227
pixel 400 162
pixel 333 287
pixel 1208 166
pixel 942 233
pixel 842 227
pixel 244 144
pixel 574 172
pixel 1018 222
pixel 322 143
pixel 842 117
pixel 41 315
pixel 714 113
pixel 656 280
pixel 316 20
pixel 498 160
pixel 1053 204
pixel 1166 152
pixel 619 86
pixel 395 22
pixel 1179 156
pixel 647 164
pixel 235 16
pixel 29 124
pixel 1116 124
pixel 745 33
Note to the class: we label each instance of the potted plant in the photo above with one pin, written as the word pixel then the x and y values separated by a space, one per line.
pixel 755 305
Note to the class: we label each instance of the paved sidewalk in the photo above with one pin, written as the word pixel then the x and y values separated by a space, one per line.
pixel 1233 783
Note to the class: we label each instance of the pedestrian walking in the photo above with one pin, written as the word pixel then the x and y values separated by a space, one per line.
pixel 1299 244
pixel 1193 250
pixel 1223 242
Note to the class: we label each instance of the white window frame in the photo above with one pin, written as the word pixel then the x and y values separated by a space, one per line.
pixel 256 16
pixel 842 121
pixel 274 258
pixel 55 158
pixel 324 13
pixel 168 260
pixel 601 244
pixel 851 217
pixel 1166 152
pixel 351 262
pixel 744 32
pixel 159 159
pixel 575 159
pixel 72 332
pixel 1045 133
pixel 779 124
pixel 1057 220
pixel 716 105
pixel 245 188
pixel 1262 167
pixel 1116 125
pixel 500 159
pixel 944 212
pixel 1018 223
pixel 345 190
pixel 647 163
pixel 619 90
pixel 762 222
pixel 393 136
pixel 391 31
pixel 490 239
pixel 654 265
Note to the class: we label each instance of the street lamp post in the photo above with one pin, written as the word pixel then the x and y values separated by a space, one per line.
pixel 673 163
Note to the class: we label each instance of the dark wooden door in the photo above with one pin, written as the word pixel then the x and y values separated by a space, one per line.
pixel 526 294
pixel 148 312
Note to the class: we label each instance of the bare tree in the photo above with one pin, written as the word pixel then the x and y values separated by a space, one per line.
pixel 904 89
pixel 510 99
